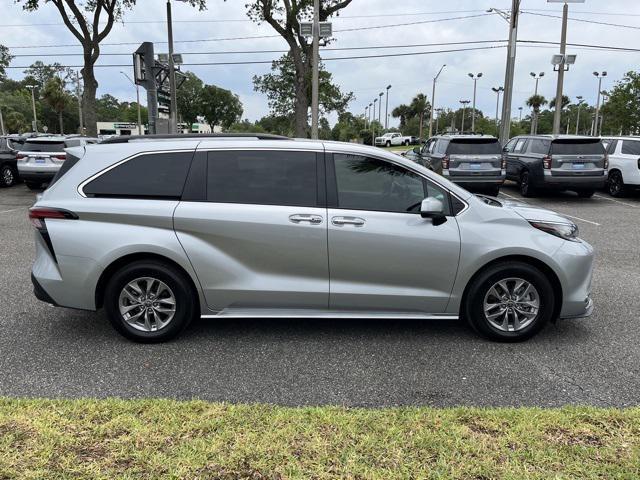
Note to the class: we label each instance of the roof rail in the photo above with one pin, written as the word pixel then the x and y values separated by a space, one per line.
pixel 129 138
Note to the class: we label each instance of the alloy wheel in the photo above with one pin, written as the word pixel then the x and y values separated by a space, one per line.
pixel 7 176
pixel 147 304
pixel 615 184
pixel 511 304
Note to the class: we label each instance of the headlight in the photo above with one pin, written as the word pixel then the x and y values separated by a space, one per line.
pixel 566 231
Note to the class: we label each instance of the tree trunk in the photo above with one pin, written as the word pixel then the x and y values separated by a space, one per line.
pixel 302 99
pixel 89 101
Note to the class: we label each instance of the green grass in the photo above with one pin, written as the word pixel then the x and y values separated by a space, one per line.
pixel 398 148
pixel 149 439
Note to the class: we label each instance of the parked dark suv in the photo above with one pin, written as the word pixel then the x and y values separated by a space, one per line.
pixel 9 147
pixel 559 162
pixel 474 162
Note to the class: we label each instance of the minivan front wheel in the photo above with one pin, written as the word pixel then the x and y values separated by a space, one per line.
pixel 509 302
pixel 149 301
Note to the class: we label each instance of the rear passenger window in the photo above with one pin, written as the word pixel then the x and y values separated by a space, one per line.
pixel 152 175
pixel 630 147
pixel 441 147
pixel 540 146
pixel 520 144
pixel 474 147
pixel 263 178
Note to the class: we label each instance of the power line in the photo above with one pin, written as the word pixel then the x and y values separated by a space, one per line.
pixel 255 37
pixel 635 27
pixel 257 62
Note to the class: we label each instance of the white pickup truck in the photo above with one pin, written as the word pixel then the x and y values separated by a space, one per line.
pixel 393 138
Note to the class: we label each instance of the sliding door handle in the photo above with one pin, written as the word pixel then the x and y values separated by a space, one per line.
pixel 341 221
pixel 305 217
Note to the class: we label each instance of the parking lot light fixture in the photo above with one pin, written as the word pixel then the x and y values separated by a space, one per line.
pixel 380 108
pixel 475 78
pixel 386 109
pixel 520 115
pixel 33 105
pixel 580 102
pixel 433 100
pixel 537 77
pixel 464 104
pixel 599 76
pixel 366 111
pixel 499 90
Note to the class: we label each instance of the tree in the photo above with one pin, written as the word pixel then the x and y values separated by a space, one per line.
pixel 281 90
pixel 412 116
pixel 220 106
pixel 189 99
pixel 348 128
pixel 284 16
pixel 5 60
pixel 565 102
pixel 90 21
pixel 535 102
pixel 403 112
pixel 55 96
pixel 622 110
pixel 40 73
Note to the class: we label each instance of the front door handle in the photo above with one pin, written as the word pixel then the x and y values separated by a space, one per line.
pixel 305 217
pixel 341 221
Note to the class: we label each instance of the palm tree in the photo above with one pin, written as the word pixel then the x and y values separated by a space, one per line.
pixel 403 112
pixel 420 106
pixel 565 102
pixel 535 102
pixel 55 96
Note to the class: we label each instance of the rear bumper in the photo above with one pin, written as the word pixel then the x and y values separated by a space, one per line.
pixel 40 292
pixel 476 181
pixel 569 182
pixel 37 176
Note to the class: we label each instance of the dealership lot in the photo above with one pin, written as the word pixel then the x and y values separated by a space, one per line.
pixel 52 352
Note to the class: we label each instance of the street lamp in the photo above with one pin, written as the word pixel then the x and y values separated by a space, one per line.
pixel 520 115
pixel 380 108
pixel 580 101
pixel 473 113
pixel 369 116
pixel 386 109
pixel 605 98
pixel 499 90
pixel 537 77
pixel 439 112
pixel 366 112
pixel 373 128
pixel 534 116
pixel 137 100
pixel 464 107
pixel 433 100
pixel 33 104
pixel 594 129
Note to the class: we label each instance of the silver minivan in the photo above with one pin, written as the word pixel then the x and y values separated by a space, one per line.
pixel 158 231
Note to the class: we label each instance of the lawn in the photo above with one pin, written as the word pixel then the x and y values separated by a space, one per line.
pixel 169 439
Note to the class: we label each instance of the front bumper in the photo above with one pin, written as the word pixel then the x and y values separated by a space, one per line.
pixel 575 260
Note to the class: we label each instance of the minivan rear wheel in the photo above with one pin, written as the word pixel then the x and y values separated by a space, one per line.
pixel 149 301
pixel 509 302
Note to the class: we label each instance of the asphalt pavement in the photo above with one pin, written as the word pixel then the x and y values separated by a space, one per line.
pixel 53 352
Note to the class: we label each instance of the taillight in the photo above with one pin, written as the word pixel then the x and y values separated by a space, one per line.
pixel 445 162
pixel 37 215
pixel 20 156
pixel 503 164
pixel 546 162
pixel 606 161
pixel 59 158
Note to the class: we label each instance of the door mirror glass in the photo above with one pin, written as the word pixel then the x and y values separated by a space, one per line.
pixel 433 208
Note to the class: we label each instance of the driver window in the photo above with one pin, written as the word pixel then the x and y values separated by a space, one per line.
pixel 365 183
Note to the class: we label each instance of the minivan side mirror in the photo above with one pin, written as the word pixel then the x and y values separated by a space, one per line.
pixel 434 209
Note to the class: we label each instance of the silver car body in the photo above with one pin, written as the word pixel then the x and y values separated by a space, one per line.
pixel 268 260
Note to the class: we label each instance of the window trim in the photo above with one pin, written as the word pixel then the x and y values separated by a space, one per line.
pixel 81 186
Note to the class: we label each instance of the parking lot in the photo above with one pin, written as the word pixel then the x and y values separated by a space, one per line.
pixel 52 352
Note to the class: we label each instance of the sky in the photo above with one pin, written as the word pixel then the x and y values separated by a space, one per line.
pixel 405 22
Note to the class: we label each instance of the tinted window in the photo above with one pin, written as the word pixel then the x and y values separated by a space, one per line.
pixel 520 144
pixel 474 146
pixel 631 147
pixel 262 177
pixel 370 184
pixel 577 148
pixel 539 146
pixel 610 145
pixel 43 146
pixel 152 175
pixel 509 146
pixel 73 142
pixel 441 147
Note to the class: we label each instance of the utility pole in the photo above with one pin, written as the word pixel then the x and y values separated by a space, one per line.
pixel 386 110
pixel 433 100
pixel 512 18
pixel 78 94
pixel 563 50
pixel 464 107
pixel 498 90
pixel 605 97
pixel 173 106
pixel 315 75
pixel 599 75
pixel 33 105
pixel 380 108
pixel 1 122
pixel 473 113
pixel 579 97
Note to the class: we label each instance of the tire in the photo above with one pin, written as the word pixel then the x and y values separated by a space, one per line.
pixel 406 143
pixel 526 189
pixel 8 176
pixel 493 191
pixel 586 193
pixel 615 184
pixel 147 275
pixel 33 185
pixel 388 144
pixel 509 274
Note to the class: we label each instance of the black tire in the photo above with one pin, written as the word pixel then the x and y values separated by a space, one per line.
pixel 186 300
pixel 8 176
pixel 473 305
pixel 33 185
pixel 406 143
pixel 586 193
pixel 388 144
pixel 493 191
pixel 615 184
pixel 526 189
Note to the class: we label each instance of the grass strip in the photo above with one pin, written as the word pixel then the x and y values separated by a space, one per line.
pixel 151 439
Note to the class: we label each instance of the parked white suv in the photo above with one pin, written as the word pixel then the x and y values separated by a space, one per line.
pixel 393 138
pixel 624 164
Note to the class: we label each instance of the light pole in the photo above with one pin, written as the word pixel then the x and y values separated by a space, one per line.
pixel 33 105
pixel 537 77
pixel 512 18
pixel 433 100
pixel 605 97
pixel 373 128
pixel 599 75
pixel 80 120
pixel 473 113
pixel 366 112
pixel 369 116
pixel 380 108
pixel 464 107
pixel 439 112
pixel 386 109
pixel 520 115
pixel 137 100
pixel 315 74
pixel 499 90
pixel 534 116
pixel 580 101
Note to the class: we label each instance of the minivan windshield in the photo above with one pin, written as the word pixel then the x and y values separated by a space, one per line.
pixel 474 146
pixel 577 147
pixel 40 146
